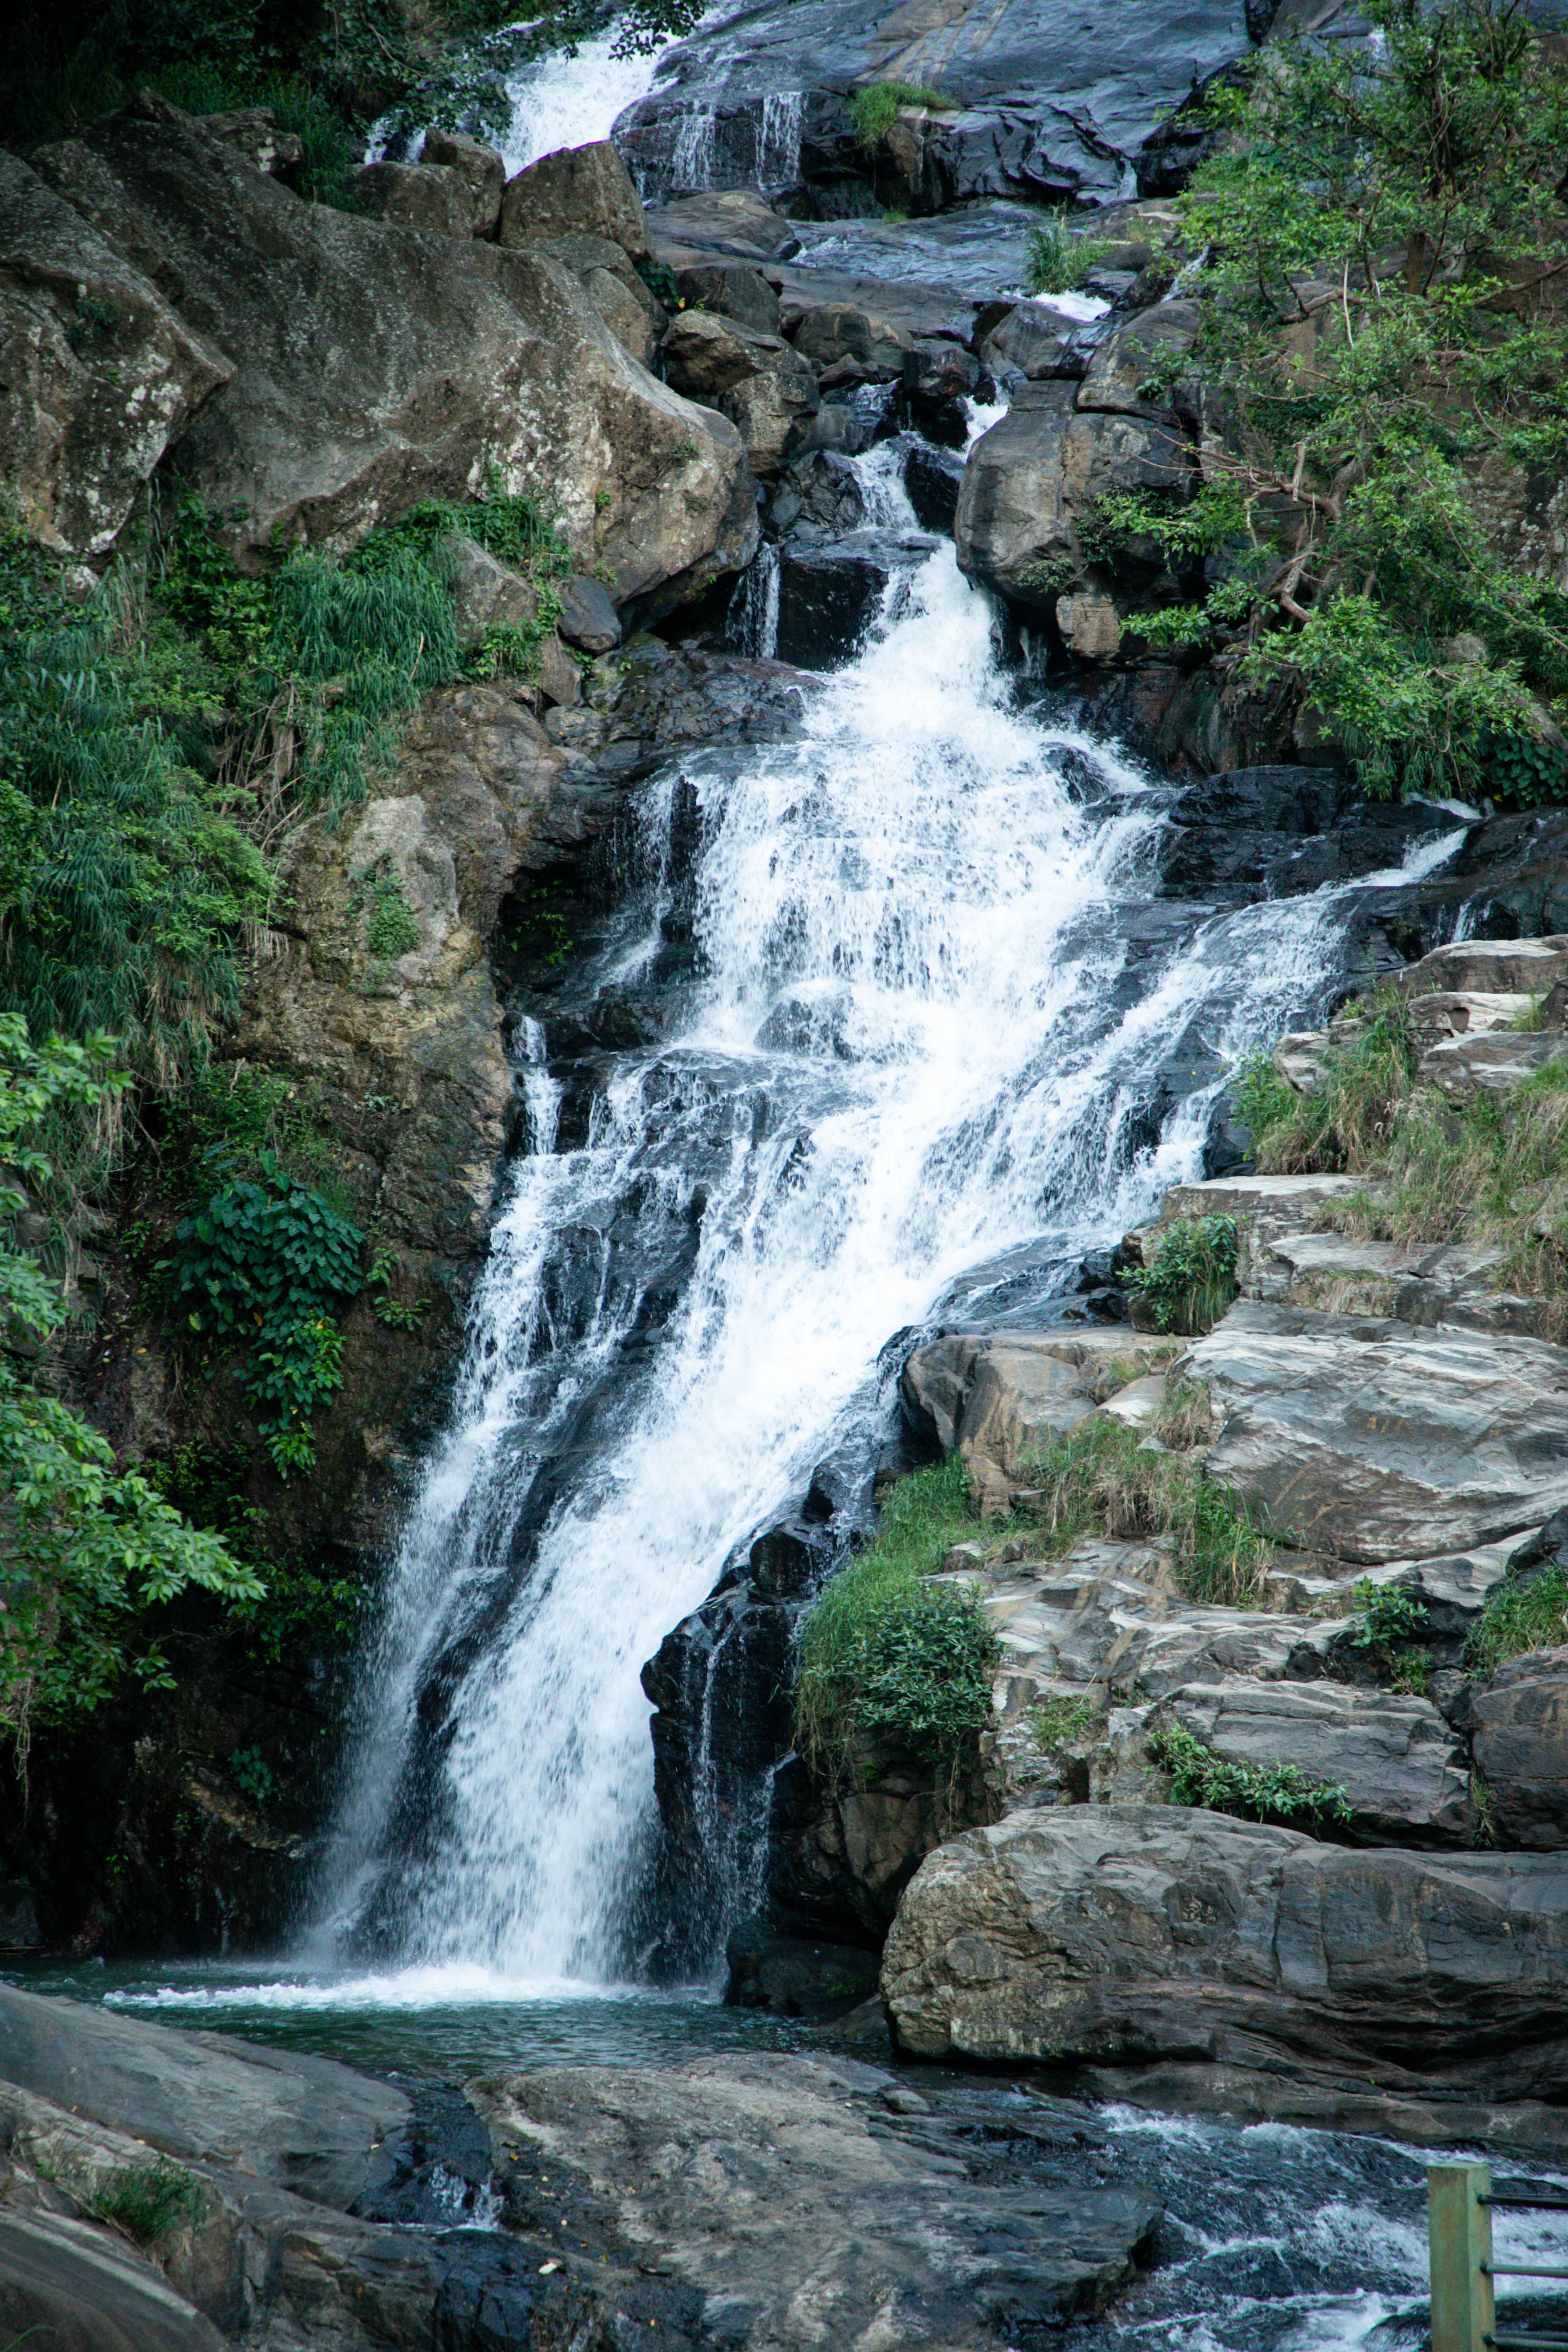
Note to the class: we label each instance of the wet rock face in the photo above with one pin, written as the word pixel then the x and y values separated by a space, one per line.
pixel 1040 104
pixel 1107 1934
pixel 369 366
pixel 1520 1740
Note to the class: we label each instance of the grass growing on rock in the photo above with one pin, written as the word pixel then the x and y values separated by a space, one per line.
pixel 1101 1479
pixel 1520 1616
pixel 1058 259
pixel 1191 1280
pixel 874 109
pixel 887 1658
pixel 148 2202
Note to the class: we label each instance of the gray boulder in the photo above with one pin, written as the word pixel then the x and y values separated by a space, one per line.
pixel 1124 363
pixel 487 594
pixel 578 190
pixel 377 367
pixel 738 225
pixel 839 332
pixel 756 380
pixel 1480 1065
pixel 1400 1766
pixel 1515 967
pixel 73 2287
pixel 1033 340
pixel 479 168
pixel 252 132
pixel 420 196
pixel 587 616
pixel 1110 1935
pixel 1376 1440
pixel 98 374
pixel 731 290
pixel 1520 1736
pixel 1037 473
pixel 999 1400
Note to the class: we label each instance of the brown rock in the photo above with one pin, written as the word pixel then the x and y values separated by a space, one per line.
pixel 757 381
pixel 839 332
pixel 479 168
pixel 577 191
pixel 420 195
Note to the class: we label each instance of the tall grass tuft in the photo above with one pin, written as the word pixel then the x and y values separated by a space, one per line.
pixel 1101 1479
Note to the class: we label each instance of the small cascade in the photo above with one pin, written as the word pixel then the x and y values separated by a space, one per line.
pixel 752 625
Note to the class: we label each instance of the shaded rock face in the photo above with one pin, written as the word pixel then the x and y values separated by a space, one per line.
pixel 1373 1441
pixel 1040 104
pixel 1110 1933
pixel 372 367
pixel 1271 832
pixel 97 373
pixel 882 2232
pixel 577 191
pixel 755 379
pixel 1519 1732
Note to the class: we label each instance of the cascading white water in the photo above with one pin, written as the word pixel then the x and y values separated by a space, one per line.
pixel 571 100
pixel 904 1056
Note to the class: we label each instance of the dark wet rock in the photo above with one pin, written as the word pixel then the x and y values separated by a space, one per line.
pixel 906 307
pixel 1277 832
pixel 1124 363
pixel 698 2165
pixel 577 191
pixel 794 1977
pixel 731 290
pixel 98 374
pixel 1035 476
pixel 819 497
pixel 419 196
pixel 648 699
pixel 587 616
pixel 932 478
pixel 840 1855
pixel 837 332
pixel 1033 340
pixel 1403 1772
pixel 737 226
pixel 830 596
pixel 1519 1734
pixel 1467 1444
pixel 1109 1935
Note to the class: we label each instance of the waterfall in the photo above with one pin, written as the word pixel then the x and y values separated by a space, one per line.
pixel 916 1029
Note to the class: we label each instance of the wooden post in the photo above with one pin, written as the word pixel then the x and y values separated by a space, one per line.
pixel 1461 2228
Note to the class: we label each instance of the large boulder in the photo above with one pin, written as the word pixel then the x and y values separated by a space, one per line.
pixel 97 373
pixel 1034 478
pixel 1372 1440
pixel 479 167
pixel 755 379
pixel 375 366
pixel 999 1398
pixel 431 196
pixel 1109 1935
pixel 1520 1736
pixel 577 191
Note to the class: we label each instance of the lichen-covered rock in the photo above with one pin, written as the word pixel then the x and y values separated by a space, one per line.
pixel 1519 1734
pixel 583 190
pixel 479 167
pixel 97 373
pixel 374 366
pixel 420 196
pixel 1110 1934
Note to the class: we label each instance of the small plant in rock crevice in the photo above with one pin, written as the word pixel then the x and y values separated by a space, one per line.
pixel 1102 1479
pixel 148 2202
pixel 1389 1617
pixel 1526 1613
pixel 875 108
pixel 1191 1280
pixel 1199 1777
pixel 1058 260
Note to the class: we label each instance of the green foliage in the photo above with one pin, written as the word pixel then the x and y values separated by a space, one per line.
pixel 396 1314
pixel 267 1268
pixel 1389 1618
pixel 1525 1612
pixel 1367 1071
pixel 887 1658
pixel 1192 1278
pixel 1058 1722
pixel 1256 1792
pixel 148 2202
pixel 251 1774
pixel 85 1550
pixel 1052 575
pixel 876 107
pixel 303 1606
pixel 392 926
pixel 1381 232
pixel 1060 258
pixel 1099 1479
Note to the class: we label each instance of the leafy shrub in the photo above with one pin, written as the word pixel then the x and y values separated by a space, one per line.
pixel 1523 1614
pixel 392 926
pixel 268 1268
pixel 148 2202
pixel 886 1657
pixel 875 108
pixel 1101 1479
pixel 88 1550
pixel 1058 259
pixel 1192 1278
pixel 1256 1792
pixel 251 1774
pixel 1058 1722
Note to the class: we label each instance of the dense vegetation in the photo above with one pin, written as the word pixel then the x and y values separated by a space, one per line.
pixel 1191 1279
pixel 1380 243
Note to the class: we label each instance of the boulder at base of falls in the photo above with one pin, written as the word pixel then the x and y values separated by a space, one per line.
pixel 575 191
pixel 1519 1734
pixel 1112 1935
pixel 754 379
pixel 829 596
pixel 1373 1441
pixel 374 365
pixel 1035 476
pixel 797 2199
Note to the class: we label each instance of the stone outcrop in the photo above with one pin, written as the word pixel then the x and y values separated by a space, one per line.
pixel 370 366
pixel 577 191
pixel 99 373
pixel 1100 1934
pixel 756 380
pixel 1519 1734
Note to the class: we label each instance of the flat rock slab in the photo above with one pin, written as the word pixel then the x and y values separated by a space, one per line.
pixel 1371 1440
pixel 1110 1935
pixel 1520 1732
pixel 1401 1767
pixel 1495 967
pixel 304 2124
pixel 788 2194
pixel 1492 1062
pixel 68 2287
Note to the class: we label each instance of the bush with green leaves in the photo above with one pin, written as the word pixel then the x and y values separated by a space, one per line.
pixel 1191 1279
pixel 1261 1792
pixel 268 1266
pixel 876 105
pixel 85 1550
pixel 1381 232
pixel 888 1660
pixel 148 2202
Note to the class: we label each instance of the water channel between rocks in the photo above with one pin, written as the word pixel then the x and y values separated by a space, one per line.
pixel 908 999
